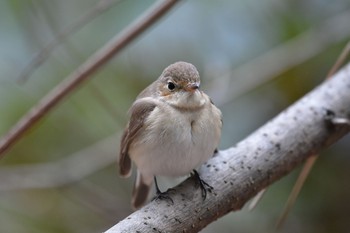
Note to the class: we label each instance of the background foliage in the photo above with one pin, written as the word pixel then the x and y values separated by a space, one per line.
pixel 62 176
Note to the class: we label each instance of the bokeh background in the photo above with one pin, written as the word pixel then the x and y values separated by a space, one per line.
pixel 255 59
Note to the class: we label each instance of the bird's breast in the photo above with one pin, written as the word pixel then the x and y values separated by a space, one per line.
pixel 174 142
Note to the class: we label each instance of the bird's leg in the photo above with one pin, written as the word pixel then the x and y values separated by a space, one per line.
pixel 202 184
pixel 161 195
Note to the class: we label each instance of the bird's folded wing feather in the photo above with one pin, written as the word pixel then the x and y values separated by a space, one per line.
pixel 140 110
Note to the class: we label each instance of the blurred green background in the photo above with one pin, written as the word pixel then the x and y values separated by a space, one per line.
pixel 255 59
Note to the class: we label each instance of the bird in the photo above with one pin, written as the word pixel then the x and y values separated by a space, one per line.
pixel 173 128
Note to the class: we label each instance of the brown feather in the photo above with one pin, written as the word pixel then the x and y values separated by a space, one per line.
pixel 140 191
pixel 139 112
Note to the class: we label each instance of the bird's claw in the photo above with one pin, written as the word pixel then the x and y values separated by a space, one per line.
pixel 202 184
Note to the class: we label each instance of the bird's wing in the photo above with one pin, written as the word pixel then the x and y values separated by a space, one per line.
pixel 140 110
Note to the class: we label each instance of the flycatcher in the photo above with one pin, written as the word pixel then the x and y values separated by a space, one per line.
pixel 174 127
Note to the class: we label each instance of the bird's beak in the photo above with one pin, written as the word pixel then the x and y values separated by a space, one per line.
pixel 192 87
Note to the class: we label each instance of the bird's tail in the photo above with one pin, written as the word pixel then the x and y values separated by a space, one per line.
pixel 141 190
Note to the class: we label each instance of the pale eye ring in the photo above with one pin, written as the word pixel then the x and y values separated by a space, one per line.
pixel 171 86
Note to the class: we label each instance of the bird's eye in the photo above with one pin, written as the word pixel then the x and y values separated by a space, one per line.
pixel 171 86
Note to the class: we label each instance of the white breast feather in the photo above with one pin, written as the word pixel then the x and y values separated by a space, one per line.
pixel 170 147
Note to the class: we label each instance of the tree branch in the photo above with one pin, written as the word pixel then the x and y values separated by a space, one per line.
pixel 83 72
pixel 240 172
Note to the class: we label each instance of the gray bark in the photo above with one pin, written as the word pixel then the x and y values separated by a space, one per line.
pixel 238 173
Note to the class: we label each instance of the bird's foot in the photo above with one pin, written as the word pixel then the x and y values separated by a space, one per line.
pixel 202 184
pixel 162 195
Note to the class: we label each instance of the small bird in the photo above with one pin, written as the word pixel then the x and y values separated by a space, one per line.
pixel 174 127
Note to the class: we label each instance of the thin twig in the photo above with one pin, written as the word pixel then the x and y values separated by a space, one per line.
pixel 76 167
pixel 42 55
pixel 281 58
pixel 83 72
pixel 340 61
pixel 296 189
pixel 105 103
